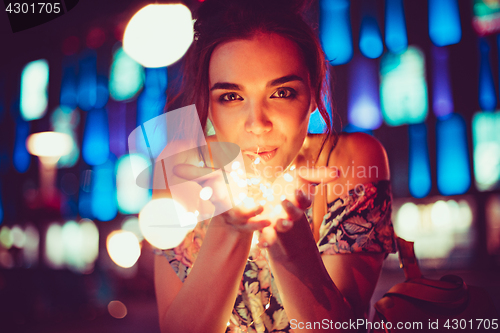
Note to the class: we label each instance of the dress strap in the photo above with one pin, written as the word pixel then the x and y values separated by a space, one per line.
pixel 320 203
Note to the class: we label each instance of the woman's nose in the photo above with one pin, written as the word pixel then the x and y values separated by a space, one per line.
pixel 258 121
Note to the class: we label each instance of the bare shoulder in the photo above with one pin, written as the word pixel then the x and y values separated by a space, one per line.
pixel 362 152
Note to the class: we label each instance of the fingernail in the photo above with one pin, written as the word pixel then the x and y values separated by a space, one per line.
pixel 286 223
pixel 264 244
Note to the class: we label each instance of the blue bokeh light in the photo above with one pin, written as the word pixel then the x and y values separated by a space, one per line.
pixel 22 157
pixel 95 147
pixel 444 22
pixel 370 39
pixel 363 108
pixel 453 170
pixel 396 39
pixel 87 82
pixel 69 97
pixel 419 166
pixel 152 100
pixel 442 103
pixel 487 94
pixel 103 195
pixel 335 31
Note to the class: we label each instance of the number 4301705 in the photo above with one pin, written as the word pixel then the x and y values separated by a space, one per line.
pixel 479 324
pixel 39 8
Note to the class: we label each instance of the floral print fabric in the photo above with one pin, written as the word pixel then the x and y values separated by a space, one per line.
pixel 360 221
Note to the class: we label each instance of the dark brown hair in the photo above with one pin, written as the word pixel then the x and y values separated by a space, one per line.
pixel 220 21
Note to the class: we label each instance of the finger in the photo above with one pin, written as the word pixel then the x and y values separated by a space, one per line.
pixel 283 225
pixel 303 202
pixel 242 213
pixel 294 213
pixel 267 237
pixel 319 175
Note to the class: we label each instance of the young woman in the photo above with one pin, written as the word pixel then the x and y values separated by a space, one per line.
pixel 257 71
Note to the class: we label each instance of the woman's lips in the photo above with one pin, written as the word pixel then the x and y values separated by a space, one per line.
pixel 265 156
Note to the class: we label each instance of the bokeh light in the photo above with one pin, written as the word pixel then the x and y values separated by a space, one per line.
pixel 117 309
pixel 54 247
pixel 160 223
pixel 131 197
pixel 34 89
pixel 335 30
pixel 403 88
pixel 50 144
pixel 95 146
pixel 123 248
pixel 126 76
pixel 159 35
pixel 395 26
pixel 486 139
pixel 419 164
pixel 444 22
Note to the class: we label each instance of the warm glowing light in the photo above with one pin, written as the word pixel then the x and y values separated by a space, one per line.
pixel 89 242
pixel 123 248
pixel 34 85
pixel 206 193
pixel 161 222
pixel 235 165
pixel 18 237
pixel 408 220
pixel 117 309
pixel 131 223
pixel 54 246
pixel 50 144
pixel 159 35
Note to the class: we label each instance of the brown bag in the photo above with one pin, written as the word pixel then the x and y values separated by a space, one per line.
pixel 424 305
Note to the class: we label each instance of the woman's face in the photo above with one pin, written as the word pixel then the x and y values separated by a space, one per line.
pixel 260 99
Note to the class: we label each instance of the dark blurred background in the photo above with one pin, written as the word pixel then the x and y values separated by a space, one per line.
pixel 431 102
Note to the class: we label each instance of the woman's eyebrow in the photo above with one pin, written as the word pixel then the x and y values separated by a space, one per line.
pixel 284 79
pixel 275 82
pixel 225 86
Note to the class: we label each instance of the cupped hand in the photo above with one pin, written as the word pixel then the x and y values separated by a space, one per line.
pixel 241 218
pixel 306 181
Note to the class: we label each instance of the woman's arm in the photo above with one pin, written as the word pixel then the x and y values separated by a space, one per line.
pixel 203 303
pixel 337 288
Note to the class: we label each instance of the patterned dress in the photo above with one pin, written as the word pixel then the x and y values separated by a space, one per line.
pixel 360 221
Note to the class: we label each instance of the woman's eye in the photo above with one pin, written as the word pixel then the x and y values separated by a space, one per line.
pixel 284 93
pixel 229 97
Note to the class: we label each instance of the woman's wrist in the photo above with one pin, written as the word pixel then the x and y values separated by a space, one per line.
pixel 293 244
